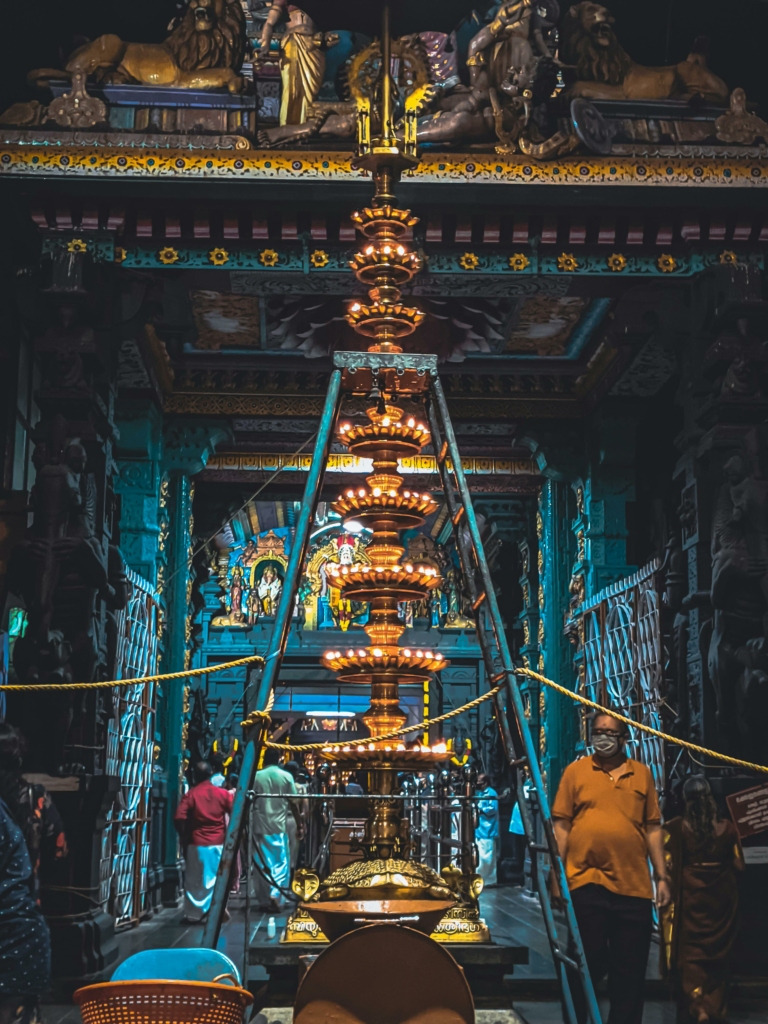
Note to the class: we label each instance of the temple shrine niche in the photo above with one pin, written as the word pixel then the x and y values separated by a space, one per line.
pixel 250 575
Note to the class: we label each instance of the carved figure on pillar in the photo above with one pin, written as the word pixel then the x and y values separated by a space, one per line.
pixel 236 595
pixel 64 575
pixel 739 597
pixel 737 362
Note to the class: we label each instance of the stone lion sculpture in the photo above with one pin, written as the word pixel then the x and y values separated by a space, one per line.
pixel 605 71
pixel 205 50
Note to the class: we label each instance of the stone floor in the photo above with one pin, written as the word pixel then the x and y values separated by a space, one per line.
pixel 511 916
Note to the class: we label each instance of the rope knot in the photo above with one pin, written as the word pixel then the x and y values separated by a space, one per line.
pixel 255 718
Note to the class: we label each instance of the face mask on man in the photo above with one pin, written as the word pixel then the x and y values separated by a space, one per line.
pixel 605 744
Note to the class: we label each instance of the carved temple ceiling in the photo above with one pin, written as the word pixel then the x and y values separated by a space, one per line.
pixel 562 225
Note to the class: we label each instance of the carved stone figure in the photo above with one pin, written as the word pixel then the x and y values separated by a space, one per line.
pixel 604 70
pixel 503 61
pixel 236 595
pixel 76 109
pixel 270 588
pixel 739 593
pixel 205 50
pixel 338 120
pixel 253 603
pixel 302 59
pixel 740 125
pixel 65 577
pixel 737 361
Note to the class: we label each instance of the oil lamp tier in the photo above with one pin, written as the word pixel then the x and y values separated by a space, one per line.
pixel 384 265
pixel 395 756
pixel 384 221
pixel 404 436
pixel 406 511
pixel 384 321
pixel 371 582
pixel 409 666
pixel 387 263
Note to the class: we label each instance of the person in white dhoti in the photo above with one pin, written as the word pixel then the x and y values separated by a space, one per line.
pixel 487 831
pixel 295 823
pixel 201 821
pixel 271 875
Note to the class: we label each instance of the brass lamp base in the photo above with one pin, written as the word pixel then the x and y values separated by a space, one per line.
pixel 391 878
pixel 462 924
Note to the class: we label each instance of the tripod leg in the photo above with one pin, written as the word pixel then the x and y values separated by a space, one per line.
pixel 274 657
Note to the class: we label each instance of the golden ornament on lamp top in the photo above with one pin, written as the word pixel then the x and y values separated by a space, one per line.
pixel 384 265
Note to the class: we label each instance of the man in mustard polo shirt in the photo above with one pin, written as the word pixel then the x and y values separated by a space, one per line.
pixel 608 824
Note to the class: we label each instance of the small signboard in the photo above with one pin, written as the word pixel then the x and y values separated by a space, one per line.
pixel 749 810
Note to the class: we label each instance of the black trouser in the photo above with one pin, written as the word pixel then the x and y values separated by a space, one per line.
pixel 616 932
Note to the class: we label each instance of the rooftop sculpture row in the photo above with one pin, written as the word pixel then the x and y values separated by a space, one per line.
pixel 526 79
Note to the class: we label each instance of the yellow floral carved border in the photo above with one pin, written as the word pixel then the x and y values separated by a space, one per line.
pixel 84 161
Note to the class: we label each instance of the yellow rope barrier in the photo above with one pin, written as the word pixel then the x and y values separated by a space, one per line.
pixel 639 725
pixel 34 687
pixel 301 748
pixel 394 734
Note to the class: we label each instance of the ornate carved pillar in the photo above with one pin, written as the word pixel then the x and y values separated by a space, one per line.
pixel 607 492
pixel 558 732
pixel 139 482
pixel 186 447
pixel 723 476
pixel 68 574
pixel 724 517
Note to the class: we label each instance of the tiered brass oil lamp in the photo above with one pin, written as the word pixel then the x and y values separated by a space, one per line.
pixel 384 264
pixel 385 584
pixel 387 872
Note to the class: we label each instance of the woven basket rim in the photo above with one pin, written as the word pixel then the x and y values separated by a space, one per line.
pixel 102 987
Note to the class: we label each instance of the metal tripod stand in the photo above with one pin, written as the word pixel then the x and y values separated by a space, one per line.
pixel 356 372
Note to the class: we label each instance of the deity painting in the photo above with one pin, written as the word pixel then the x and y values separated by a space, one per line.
pixel 251 576
pixel 236 591
pixel 269 590
pixel 325 607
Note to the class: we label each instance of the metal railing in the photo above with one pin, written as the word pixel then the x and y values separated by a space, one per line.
pixel 130 745
pixel 625 659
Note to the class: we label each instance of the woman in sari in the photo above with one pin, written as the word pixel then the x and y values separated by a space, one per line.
pixel 704 855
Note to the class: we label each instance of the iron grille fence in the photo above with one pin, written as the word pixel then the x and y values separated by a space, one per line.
pixel 624 657
pixel 131 730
